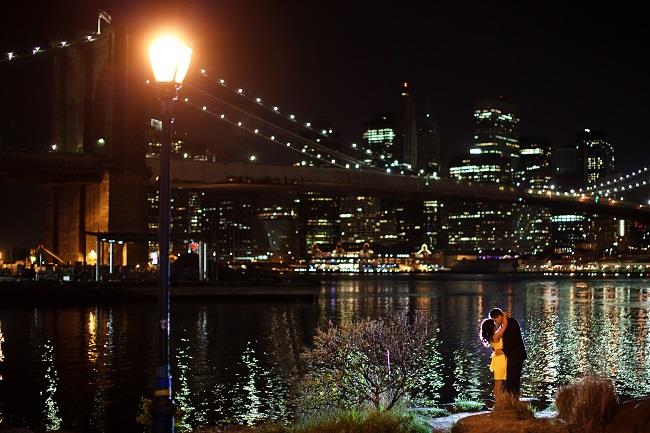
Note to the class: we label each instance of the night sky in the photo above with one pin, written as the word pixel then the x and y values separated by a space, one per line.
pixel 567 69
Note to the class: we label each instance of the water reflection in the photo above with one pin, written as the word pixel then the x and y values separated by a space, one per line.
pixel 236 363
pixel 183 393
pixel 262 394
pixel 51 417
pixel 2 358
pixel 587 329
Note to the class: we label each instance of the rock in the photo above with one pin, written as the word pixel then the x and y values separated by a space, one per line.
pixel 631 417
pixel 445 423
pixel 508 421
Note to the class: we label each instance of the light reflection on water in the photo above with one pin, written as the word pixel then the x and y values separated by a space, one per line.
pixel 89 366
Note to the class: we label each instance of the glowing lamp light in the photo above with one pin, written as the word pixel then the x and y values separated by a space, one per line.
pixel 91 257
pixel 170 59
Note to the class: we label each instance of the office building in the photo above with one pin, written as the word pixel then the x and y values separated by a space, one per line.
pixel 380 140
pixel 532 223
pixel 408 128
pixel 496 130
pixel 599 161
pixel 428 146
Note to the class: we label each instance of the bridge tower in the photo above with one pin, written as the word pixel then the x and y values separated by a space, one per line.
pixel 99 108
pixel 89 98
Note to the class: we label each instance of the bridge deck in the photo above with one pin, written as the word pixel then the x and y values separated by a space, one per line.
pixel 255 177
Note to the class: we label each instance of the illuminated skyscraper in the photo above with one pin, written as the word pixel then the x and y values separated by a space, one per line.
pixel 380 139
pixel 534 170
pixel 428 145
pixel 359 216
pixel 319 221
pixel 496 130
pixel 476 167
pixel 532 223
pixel 570 233
pixel 479 227
pixel 598 156
pixel 408 128
pixel 486 227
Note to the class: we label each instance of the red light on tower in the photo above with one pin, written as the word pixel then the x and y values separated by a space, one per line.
pixel 406 84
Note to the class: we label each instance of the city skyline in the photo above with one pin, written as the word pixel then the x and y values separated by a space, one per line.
pixel 75 130
pixel 563 78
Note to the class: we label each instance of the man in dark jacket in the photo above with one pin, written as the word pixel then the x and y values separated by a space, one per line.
pixel 514 349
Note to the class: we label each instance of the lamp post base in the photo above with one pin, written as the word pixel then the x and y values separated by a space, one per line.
pixel 162 414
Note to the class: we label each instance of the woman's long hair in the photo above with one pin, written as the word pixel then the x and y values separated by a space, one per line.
pixel 487 331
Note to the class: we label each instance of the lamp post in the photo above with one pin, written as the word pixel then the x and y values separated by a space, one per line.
pixel 170 60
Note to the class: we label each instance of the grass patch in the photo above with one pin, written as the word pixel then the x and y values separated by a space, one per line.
pixel 350 421
pixel 465 405
pixel 431 412
pixel 353 421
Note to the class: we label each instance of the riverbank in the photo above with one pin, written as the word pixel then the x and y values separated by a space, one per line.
pixel 471 276
pixel 35 292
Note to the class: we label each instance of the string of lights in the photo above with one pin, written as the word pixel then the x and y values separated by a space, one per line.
pixel 367 152
pixel 294 141
pixel 274 109
pixel 311 148
pixel 12 56
pixel 613 184
pixel 272 138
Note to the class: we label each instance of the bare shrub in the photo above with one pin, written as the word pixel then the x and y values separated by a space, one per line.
pixel 368 363
pixel 589 403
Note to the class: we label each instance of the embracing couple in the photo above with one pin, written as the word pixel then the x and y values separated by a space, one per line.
pixel 502 334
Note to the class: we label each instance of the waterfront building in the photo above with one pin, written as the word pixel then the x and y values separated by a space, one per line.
pixel 360 219
pixel 318 219
pixel 570 234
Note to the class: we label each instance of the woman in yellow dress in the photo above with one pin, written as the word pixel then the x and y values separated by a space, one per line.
pixel 492 337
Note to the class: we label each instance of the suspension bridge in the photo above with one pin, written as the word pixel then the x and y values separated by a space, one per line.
pixel 98 174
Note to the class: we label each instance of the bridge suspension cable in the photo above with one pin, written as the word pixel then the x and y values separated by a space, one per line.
pixel 629 181
pixel 271 109
pixel 293 141
pixel 37 50
pixel 271 138
pixel 367 152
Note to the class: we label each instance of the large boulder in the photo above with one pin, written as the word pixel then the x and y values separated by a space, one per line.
pixel 508 421
pixel 631 417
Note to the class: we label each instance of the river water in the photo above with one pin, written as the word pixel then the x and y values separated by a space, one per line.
pixel 87 367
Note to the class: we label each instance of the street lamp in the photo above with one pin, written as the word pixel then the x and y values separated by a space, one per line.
pixel 170 60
